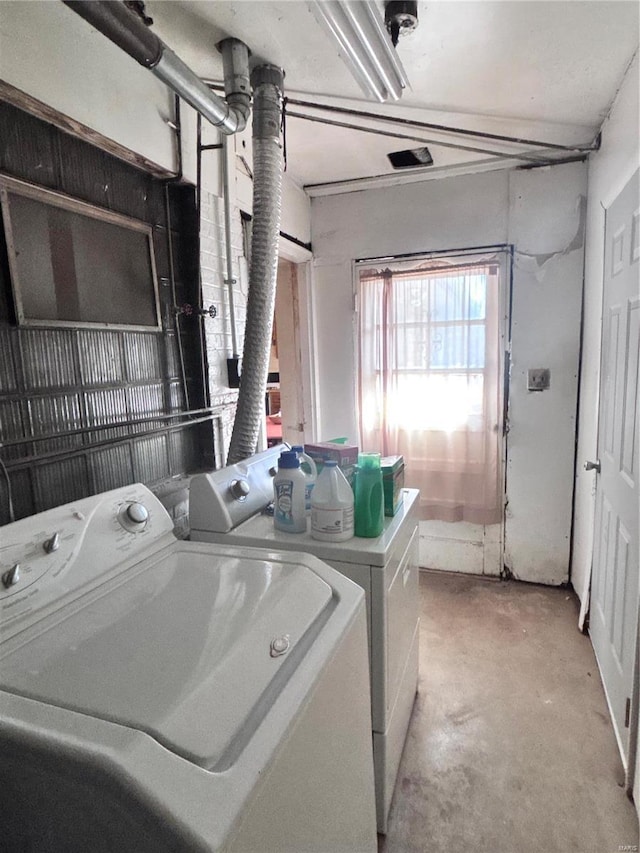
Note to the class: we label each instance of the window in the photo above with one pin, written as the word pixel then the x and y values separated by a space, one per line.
pixel 430 380
pixel 75 264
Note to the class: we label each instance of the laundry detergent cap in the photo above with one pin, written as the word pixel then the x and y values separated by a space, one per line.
pixel 288 459
pixel 369 460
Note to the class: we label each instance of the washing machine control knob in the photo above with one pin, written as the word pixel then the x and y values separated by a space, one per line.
pixel 137 513
pixel 11 577
pixel 52 544
pixel 240 489
pixel 133 516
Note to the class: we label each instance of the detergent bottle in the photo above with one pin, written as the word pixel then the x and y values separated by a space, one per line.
pixel 369 501
pixel 288 490
pixel 308 468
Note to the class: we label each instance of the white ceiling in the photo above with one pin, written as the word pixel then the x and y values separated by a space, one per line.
pixel 542 70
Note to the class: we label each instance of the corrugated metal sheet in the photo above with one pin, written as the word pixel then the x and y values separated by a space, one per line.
pixel 128 190
pixel 150 459
pixel 8 377
pixel 27 146
pixel 56 379
pixel 144 400
pixel 183 450
pixel 21 493
pixel 11 426
pixel 173 364
pixel 101 359
pixel 111 467
pixel 49 357
pixel 60 482
pixel 56 414
pixel 83 171
pixel 105 406
pixel 176 397
pixel 141 356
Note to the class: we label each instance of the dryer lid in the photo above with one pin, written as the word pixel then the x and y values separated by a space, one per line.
pixel 191 646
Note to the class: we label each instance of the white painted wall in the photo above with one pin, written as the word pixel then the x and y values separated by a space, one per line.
pixel 49 52
pixel 546 226
pixel 539 211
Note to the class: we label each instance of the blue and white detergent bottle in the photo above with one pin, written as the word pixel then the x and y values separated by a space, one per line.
pixel 308 468
pixel 289 492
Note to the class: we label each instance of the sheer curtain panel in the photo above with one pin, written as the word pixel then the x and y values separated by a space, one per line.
pixel 430 383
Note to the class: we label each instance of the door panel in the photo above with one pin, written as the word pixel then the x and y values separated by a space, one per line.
pixel 614 613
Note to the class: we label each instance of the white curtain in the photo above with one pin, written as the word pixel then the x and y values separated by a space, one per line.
pixel 429 382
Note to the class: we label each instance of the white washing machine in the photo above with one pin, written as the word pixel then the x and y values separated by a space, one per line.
pixel 158 695
pixel 228 505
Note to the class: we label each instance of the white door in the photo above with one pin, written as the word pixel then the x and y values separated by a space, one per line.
pixel 614 588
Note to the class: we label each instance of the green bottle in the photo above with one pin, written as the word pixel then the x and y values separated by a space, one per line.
pixel 369 499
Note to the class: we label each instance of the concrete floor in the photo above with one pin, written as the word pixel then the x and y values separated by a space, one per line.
pixel 510 748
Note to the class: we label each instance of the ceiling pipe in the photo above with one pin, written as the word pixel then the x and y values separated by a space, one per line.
pixel 119 25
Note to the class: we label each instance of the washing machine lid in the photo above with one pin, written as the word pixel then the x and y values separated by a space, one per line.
pixel 192 646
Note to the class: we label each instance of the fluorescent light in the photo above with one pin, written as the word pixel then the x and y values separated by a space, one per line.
pixel 364 45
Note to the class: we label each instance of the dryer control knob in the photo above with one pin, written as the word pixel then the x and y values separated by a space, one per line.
pixel 240 489
pixel 137 513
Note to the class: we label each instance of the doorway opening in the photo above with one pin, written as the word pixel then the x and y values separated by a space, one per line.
pixel 432 348
pixel 288 404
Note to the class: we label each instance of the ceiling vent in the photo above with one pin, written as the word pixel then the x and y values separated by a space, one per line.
pixel 410 157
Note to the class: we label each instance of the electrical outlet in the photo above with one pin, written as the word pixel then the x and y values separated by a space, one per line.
pixel 538 379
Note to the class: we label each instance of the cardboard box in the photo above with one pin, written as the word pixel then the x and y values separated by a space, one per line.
pixel 346 455
pixel 392 482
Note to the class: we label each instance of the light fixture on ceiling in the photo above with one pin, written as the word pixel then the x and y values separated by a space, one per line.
pixel 364 45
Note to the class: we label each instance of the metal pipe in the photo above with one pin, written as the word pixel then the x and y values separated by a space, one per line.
pixel 172 282
pixel 423 125
pixel 229 280
pixel 206 391
pixel 106 442
pixel 529 156
pixel 35 439
pixel 113 20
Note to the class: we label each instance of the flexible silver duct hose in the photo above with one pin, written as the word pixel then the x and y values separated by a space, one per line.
pixel 267 82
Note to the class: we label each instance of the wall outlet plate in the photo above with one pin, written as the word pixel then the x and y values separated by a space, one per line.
pixel 538 379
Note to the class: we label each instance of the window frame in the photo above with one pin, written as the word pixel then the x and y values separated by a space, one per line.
pixel 9 185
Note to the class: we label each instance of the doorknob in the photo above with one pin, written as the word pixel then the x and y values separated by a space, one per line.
pixel 592 466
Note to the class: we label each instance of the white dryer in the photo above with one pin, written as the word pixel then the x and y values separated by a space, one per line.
pixel 158 695
pixel 231 505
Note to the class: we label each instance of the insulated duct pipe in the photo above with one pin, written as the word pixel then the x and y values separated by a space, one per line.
pixel 117 23
pixel 267 82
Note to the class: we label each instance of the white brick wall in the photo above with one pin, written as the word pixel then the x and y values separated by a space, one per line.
pixel 215 292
